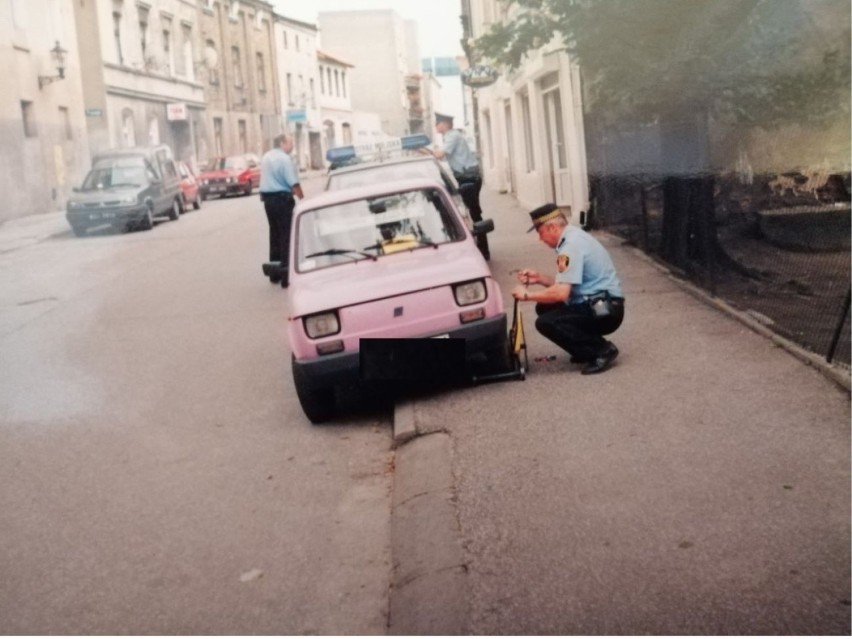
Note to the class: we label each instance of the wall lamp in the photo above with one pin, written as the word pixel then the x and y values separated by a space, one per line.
pixel 58 55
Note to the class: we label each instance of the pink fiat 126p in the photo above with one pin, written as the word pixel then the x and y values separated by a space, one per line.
pixel 375 273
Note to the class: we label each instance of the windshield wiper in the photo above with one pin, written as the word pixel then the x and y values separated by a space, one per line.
pixel 337 251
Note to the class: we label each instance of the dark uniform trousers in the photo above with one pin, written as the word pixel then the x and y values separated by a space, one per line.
pixel 279 211
pixel 576 329
pixel 469 188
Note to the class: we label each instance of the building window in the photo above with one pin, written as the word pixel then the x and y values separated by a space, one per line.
pixel 301 94
pixel 143 31
pixel 234 10
pixel 217 136
pixel 297 42
pixel 116 32
pixel 185 62
pixel 313 95
pixel 343 82
pixel 328 77
pixel 322 80
pixel 261 73
pixel 28 115
pixel 211 57
pixel 65 119
pixel 290 89
pixel 168 62
pixel 238 72
pixel 284 38
pixel 528 139
pixel 241 127
pixel 336 83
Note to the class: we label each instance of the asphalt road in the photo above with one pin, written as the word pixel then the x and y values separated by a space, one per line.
pixel 157 473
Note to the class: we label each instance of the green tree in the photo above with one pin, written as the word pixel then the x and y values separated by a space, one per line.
pixel 677 65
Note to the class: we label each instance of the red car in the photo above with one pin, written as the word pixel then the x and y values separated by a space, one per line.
pixel 231 174
pixel 190 186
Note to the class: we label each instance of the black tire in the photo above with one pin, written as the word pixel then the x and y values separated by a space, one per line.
pixel 176 210
pixel 197 203
pixel 147 222
pixel 317 403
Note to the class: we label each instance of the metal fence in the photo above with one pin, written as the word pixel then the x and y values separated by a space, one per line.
pixel 782 258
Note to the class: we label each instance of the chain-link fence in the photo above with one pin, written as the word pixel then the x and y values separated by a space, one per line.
pixel 782 255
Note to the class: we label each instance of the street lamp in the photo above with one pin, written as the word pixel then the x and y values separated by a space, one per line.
pixel 58 55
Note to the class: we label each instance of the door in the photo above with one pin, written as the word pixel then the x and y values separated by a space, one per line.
pixel 560 178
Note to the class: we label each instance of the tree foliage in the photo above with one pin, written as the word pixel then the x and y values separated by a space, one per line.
pixel 753 61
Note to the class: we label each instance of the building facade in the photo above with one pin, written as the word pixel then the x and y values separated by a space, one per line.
pixel 530 122
pixel 239 78
pixel 299 82
pixel 44 150
pixel 376 44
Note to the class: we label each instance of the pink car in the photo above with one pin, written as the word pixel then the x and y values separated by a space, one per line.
pixel 374 273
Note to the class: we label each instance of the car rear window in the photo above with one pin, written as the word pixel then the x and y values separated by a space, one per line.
pixel 374 228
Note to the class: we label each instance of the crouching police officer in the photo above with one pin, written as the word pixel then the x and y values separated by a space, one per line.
pixel 583 301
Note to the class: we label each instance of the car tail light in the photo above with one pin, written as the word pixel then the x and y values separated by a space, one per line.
pixel 468 293
pixel 322 324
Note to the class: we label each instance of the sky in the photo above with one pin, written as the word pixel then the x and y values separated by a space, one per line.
pixel 439 28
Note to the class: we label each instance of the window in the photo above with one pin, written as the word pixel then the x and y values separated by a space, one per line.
pixel 217 136
pixel 211 57
pixel 284 38
pixel 143 30
pixel 28 115
pixel 343 82
pixel 65 120
pixel 528 139
pixel 336 83
pixel 290 89
pixel 328 72
pixel 116 32
pixel 234 10
pixel 313 95
pixel 238 72
pixel 241 126
pixel 322 80
pixel 297 42
pixel 168 62
pixel 185 62
pixel 261 73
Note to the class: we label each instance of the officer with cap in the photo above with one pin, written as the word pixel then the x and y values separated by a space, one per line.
pixel 465 168
pixel 583 301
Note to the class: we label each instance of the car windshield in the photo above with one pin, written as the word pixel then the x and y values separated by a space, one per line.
pixel 373 228
pixel 234 163
pixel 115 173
pixel 387 172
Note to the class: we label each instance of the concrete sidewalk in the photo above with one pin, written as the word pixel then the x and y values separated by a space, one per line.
pixel 31 229
pixel 700 486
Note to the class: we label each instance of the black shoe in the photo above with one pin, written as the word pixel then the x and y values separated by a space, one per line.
pixel 603 361
pixel 284 283
pixel 275 280
pixel 574 359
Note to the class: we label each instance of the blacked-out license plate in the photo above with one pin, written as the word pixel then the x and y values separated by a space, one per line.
pixel 412 359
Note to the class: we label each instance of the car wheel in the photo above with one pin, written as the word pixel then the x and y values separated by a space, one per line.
pixel 147 222
pixel 247 190
pixel 317 403
pixel 197 203
pixel 177 209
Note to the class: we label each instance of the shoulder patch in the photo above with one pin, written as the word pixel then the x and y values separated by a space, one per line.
pixel 562 262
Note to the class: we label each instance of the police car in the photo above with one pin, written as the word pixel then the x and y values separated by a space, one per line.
pixel 394 159
pixel 386 285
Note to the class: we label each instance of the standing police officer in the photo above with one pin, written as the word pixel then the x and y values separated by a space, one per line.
pixel 279 182
pixel 583 302
pixel 465 168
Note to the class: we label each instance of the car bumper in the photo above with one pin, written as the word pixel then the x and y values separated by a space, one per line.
pixel 222 189
pixel 480 337
pixel 83 218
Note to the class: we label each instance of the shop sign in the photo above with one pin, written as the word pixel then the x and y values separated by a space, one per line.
pixel 176 111
pixel 479 76
pixel 296 115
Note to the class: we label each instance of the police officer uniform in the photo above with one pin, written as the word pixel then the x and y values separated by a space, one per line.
pixel 278 178
pixel 595 306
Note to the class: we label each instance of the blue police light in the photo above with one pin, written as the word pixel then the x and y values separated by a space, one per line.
pixel 416 141
pixel 340 154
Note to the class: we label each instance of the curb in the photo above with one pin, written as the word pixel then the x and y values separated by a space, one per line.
pixel 429 580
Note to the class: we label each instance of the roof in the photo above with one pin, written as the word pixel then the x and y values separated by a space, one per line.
pixel 323 56
pixel 298 23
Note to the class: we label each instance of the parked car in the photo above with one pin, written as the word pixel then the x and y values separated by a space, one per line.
pixel 356 166
pixel 190 186
pixel 393 263
pixel 232 174
pixel 126 189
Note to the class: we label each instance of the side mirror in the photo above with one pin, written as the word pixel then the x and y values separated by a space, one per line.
pixel 483 226
pixel 274 269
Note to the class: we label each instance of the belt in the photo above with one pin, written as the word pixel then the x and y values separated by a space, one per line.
pixel 276 194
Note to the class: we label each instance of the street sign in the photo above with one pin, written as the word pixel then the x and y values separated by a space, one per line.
pixel 296 115
pixel 94 113
pixel 479 76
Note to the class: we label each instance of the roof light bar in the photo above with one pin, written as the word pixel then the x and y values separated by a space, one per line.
pixel 340 154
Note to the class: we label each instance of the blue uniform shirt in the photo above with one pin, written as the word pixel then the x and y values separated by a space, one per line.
pixel 459 155
pixel 277 172
pixel 584 263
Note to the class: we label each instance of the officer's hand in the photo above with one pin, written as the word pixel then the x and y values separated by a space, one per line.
pixel 528 276
pixel 520 293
